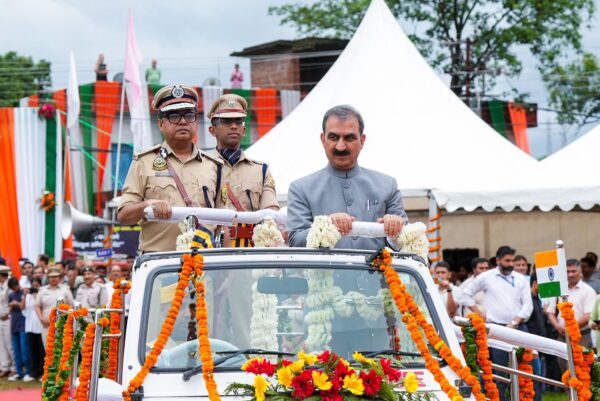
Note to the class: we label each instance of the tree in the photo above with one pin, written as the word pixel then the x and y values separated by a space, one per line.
pixel 463 38
pixel 21 77
pixel 575 91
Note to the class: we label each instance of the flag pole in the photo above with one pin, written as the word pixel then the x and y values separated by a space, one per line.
pixel 560 251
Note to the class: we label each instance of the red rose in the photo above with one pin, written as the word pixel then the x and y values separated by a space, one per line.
pixel 392 374
pixel 372 382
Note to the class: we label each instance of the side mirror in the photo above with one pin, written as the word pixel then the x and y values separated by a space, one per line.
pixel 283 285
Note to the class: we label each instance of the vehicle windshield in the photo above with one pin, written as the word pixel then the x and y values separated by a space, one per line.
pixel 309 309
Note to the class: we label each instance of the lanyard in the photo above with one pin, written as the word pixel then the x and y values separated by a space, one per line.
pixel 511 281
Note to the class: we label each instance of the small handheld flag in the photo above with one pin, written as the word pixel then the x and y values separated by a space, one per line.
pixel 551 270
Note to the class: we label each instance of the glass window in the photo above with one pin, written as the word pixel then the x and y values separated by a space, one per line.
pixel 284 309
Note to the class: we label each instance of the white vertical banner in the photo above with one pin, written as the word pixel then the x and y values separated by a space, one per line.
pixel 30 165
pixel 209 95
pixel 58 195
pixel 289 100
pixel 74 141
pixel 137 93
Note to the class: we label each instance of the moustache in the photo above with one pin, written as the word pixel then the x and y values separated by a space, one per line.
pixel 341 153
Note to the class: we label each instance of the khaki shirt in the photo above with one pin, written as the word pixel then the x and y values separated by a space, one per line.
pixel 144 181
pixel 245 179
pixel 47 297
pixel 94 296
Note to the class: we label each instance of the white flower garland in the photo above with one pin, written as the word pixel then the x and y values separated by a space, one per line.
pixel 319 300
pixel 263 325
pixel 413 239
pixel 184 240
pixel 266 234
pixel 323 233
pixel 358 301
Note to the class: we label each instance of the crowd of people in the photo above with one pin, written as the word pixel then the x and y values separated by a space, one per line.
pixel 504 290
pixel 25 305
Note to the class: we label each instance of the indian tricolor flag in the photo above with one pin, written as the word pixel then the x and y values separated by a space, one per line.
pixel 551 270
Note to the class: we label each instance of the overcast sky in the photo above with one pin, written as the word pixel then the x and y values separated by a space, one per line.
pixel 190 39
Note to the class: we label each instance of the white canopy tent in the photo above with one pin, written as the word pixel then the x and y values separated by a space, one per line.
pixel 566 179
pixel 417 129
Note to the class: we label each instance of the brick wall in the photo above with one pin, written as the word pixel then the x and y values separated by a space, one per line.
pixel 281 72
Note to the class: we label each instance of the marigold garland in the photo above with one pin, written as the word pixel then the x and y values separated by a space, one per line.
pixel 71 347
pixel 165 332
pixel 483 357
pixel 197 261
pixel 526 390
pixel 400 296
pixel 582 382
pixel 87 351
pixel 49 345
pixel 115 328
pixel 57 346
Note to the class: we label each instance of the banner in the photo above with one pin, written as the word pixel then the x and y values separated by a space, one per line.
pixel 518 117
pixel 265 110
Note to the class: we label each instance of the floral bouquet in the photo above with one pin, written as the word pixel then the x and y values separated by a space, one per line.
pixel 47 201
pixel 324 377
pixel 47 111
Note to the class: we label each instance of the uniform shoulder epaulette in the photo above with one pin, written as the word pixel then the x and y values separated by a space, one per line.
pixel 145 152
pixel 211 157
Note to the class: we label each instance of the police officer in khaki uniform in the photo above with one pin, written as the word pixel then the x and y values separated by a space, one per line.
pixel 91 294
pixel 247 184
pixel 48 296
pixel 176 173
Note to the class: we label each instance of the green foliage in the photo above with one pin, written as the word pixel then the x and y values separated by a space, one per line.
pixel 21 77
pixel 575 90
pixel 496 29
pixel 470 335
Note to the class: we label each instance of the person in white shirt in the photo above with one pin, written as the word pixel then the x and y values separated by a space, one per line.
pixel 26 274
pixel 583 297
pixel 33 328
pixel 445 287
pixel 478 266
pixel 507 300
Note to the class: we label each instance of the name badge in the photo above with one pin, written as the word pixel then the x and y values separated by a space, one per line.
pixel 165 174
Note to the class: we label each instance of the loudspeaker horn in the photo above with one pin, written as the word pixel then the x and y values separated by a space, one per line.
pixel 76 222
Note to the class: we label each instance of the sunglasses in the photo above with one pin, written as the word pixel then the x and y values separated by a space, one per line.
pixel 175 118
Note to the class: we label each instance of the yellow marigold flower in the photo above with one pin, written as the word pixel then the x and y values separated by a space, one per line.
pixel 296 366
pixel 284 376
pixel 354 384
pixel 439 345
pixel 358 357
pixel 248 362
pixel 309 359
pixel 344 362
pixel 411 383
pixel 321 381
pixel 260 387
pixel 457 398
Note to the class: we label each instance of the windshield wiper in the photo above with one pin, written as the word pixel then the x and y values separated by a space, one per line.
pixel 188 374
pixel 370 354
